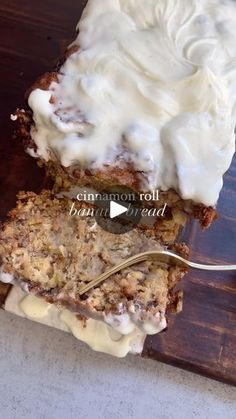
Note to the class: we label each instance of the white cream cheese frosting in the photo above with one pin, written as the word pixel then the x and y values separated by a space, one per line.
pixel 124 324
pixel 154 80
pixel 96 334
pixel 5 277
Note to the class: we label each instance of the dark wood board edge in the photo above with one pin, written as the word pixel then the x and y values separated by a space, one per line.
pixel 187 366
pixel 4 291
pixel 162 348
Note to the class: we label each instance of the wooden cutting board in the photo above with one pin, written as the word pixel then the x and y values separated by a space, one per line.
pixel 203 337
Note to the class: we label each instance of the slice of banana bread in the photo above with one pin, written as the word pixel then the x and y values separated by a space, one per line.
pixel 52 254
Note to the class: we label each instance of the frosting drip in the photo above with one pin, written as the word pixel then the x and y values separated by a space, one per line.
pixel 96 334
pixel 154 80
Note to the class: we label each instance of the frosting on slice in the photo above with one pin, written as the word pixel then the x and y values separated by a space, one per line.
pixel 154 81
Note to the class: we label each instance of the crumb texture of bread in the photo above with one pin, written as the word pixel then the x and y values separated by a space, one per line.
pixel 54 254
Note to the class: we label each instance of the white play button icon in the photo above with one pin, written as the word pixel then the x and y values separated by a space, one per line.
pixel 120 209
pixel 117 209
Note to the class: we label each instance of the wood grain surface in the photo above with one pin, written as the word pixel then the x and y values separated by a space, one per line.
pixel 203 337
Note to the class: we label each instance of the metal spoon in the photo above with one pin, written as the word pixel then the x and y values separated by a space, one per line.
pixel 163 256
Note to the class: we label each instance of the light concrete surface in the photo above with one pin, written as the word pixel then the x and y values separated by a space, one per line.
pixel 47 374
